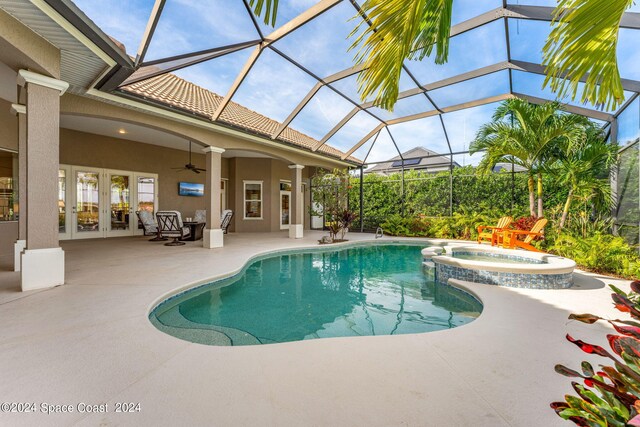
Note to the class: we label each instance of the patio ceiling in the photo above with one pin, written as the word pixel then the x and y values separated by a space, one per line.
pixel 300 73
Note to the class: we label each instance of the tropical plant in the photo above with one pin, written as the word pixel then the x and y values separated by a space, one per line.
pixel 525 134
pixel 331 191
pixel 345 219
pixel 582 46
pixel 524 223
pixel 585 224
pixel 583 166
pixel 397 225
pixel 610 396
pixel 599 252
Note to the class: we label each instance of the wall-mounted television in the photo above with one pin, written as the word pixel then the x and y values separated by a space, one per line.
pixel 190 189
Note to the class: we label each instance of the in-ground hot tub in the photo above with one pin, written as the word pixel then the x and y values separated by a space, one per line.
pixel 503 267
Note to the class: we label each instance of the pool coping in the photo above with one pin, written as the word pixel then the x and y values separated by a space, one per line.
pixel 552 264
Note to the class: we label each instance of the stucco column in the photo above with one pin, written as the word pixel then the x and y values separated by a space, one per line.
pixel 296 229
pixel 213 236
pixel 43 259
pixel 21 111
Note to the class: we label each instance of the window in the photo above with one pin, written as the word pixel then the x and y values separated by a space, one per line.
pixel 8 187
pixel 252 199
pixel 285 186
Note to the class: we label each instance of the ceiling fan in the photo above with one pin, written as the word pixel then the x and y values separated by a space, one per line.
pixel 190 166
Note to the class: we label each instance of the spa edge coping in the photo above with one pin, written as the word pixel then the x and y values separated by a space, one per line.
pixel 553 264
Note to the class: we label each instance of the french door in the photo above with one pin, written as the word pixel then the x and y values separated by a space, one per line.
pixel 87 203
pixel 285 209
pixel 120 219
pixel 96 202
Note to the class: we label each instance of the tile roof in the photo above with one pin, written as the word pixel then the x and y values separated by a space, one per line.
pixel 434 163
pixel 171 90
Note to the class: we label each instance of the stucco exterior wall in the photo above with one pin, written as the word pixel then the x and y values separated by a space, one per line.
pixel 84 149
pixel 196 131
pixel 270 172
pixel 8 236
pixel 8 127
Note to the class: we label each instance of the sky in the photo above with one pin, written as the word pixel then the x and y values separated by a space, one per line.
pixel 274 86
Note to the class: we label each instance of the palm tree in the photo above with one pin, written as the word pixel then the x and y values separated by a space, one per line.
pixel 527 139
pixel 581 45
pixel 583 166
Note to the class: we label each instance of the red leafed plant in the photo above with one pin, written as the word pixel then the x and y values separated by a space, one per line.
pixel 526 223
pixel 611 395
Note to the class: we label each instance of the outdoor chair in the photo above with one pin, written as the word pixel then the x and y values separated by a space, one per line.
pixel 170 225
pixel 225 220
pixel 150 226
pixel 200 215
pixel 494 234
pixel 511 237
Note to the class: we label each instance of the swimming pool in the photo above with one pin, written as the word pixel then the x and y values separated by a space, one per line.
pixel 349 291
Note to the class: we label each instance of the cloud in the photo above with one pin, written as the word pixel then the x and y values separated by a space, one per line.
pixel 124 20
pixel 353 131
pixel 189 26
pixel 273 87
pixel 322 44
pixel 322 113
pixel 482 46
pixel 472 90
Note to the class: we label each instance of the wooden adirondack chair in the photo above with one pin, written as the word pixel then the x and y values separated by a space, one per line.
pixel 511 240
pixel 494 234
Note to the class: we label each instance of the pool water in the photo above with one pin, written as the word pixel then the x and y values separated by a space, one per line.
pixel 362 290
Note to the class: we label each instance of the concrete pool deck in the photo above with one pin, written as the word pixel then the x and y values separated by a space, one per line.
pixel 90 341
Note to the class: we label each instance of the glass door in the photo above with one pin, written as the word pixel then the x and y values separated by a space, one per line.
pixel 119 213
pixel 223 195
pixel 86 210
pixel 64 203
pixel 146 197
pixel 285 203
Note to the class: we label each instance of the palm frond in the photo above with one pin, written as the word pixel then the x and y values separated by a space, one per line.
pixel 399 29
pixel 582 44
pixel 270 8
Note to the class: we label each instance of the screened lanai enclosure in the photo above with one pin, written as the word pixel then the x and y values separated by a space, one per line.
pixel 300 75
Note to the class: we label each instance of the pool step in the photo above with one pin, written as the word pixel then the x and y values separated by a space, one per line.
pixel 200 336
pixel 203 333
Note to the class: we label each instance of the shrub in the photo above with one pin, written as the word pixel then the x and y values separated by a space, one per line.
pixel 611 395
pixel 397 225
pixel 524 223
pixel 599 252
